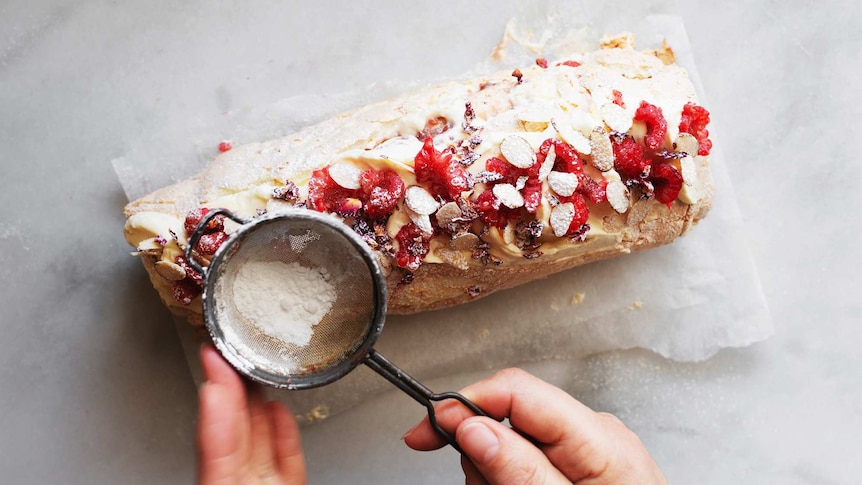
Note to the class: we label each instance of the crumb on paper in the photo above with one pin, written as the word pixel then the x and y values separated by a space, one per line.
pixel 484 333
pixel 554 307
pixel 577 298
pixel 319 413
pixel 636 305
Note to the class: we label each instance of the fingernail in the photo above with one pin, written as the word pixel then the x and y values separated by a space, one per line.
pixel 411 430
pixel 479 442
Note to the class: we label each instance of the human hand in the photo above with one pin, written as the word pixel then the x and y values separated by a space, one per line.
pixel 574 443
pixel 241 438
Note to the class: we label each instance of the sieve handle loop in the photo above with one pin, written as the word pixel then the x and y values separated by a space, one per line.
pixel 420 393
pixel 199 231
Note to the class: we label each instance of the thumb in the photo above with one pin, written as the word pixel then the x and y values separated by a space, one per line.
pixel 503 456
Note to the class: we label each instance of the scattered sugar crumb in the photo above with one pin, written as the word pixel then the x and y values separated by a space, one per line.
pixel 577 298
pixel 636 305
pixel 319 413
pixel 484 333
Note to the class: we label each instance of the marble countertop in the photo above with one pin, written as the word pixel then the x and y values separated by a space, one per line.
pixel 94 387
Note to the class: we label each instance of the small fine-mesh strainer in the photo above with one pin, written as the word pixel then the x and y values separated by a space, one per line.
pixel 343 338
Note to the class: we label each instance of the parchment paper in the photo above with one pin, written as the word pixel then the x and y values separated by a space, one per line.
pixel 684 301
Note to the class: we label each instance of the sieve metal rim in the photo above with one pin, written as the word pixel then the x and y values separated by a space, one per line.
pixel 217 335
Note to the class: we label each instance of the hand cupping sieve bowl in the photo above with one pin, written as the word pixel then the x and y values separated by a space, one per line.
pixel 344 337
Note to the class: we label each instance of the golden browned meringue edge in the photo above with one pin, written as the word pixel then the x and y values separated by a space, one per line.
pixel 242 178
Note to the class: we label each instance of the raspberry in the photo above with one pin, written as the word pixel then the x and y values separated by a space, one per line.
pixel 444 176
pixel 504 168
pixel 542 62
pixel 224 146
pixel 569 63
pixel 618 98
pixel 191 274
pixel 532 193
pixel 667 182
pixel 582 213
pixel 694 121
pixel 567 159
pixel 208 244
pixel 413 245
pixel 185 291
pixel 382 190
pixel 324 195
pixel 592 190
pixel 193 218
pixel 434 127
pixel 655 123
pixel 629 160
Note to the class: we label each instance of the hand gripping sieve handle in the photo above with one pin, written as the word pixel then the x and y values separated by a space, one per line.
pixel 420 393
pixel 199 231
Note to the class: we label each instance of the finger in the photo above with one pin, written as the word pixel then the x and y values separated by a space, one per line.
pixel 502 456
pixel 262 435
pixel 222 424
pixel 288 449
pixel 545 413
pixel 471 474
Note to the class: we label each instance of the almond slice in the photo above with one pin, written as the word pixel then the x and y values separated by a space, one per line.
pixel 563 183
pixel 518 151
pixel 575 138
pixel 170 271
pixel 561 218
pixel 508 195
pixel 447 213
pixel 690 192
pixel 465 241
pixel 687 143
pixel 548 164
pixel 345 175
pixel 617 118
pixel 422 221
pixel 521 182
pixel 618 196
pixel 602 150
pixel 420 200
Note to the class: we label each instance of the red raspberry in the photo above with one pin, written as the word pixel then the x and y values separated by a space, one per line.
pixel 694 121
pixel 443 175
pixel 567 159
pixel 324 195
pixel 413 245
pixel 667 182
pixel 504 168
pixel 191 274
pixel 542 62
pixel 193 218
pixel 582 212
pixel 185 291
pixel 208 244
pixel 382 190
pixel 629 160
pixel 434 127
pixel 532 193
pixel 224 146
pixel 569 63
pixel 655 123
pixel 592 190
pixel 618 98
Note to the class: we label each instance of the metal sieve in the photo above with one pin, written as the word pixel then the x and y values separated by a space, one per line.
pixel 345 336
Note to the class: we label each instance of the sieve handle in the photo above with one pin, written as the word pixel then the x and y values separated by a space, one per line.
pixel 199 231
pixel 420 393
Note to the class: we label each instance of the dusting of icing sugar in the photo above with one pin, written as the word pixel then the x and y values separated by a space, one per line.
pixel 284 300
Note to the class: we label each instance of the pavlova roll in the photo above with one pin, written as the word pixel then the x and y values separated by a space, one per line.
pixel 467 188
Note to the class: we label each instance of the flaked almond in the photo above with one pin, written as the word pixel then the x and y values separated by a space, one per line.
pixel 420 200
pixel 616 117
pixel 548 164
pixel 466 241
pixel 521 182
pixel 345 175
pixel 602 150
pixel 687 143
pixel 508 195
pixel 422 221
pixel 453 258
pixel 170 271
pixel 618 196
pixel 563 183
pixel 447 213
pixel 518 151
pixel 509 233
pixel 639 212
pixel 575 138
pixel 561 218
pixel 690 192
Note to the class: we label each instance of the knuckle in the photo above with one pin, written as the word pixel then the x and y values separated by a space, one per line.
pixel 512 374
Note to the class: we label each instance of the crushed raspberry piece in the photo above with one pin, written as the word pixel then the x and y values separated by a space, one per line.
pixel 618 98
pixel 193 218
pixel 382 190
pixel 324 194
pixel 443 175
pixel 655 123
pixel 532 193
pixel 582 213
pixel 185 291
pixel 592 190
pixel 629 160
pixel 191 274
pixel 434 127
pixel 542 62
pixel 208 244
pixel 694 120
pixel 413 245
pixel 224 146
pixel 569 63
pixel 567 159
pixel 519 76
pixel 667 182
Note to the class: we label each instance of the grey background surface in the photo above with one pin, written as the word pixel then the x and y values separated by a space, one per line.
pixel 94 387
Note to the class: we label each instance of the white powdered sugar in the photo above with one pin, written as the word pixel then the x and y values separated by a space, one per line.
pixel 283 300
